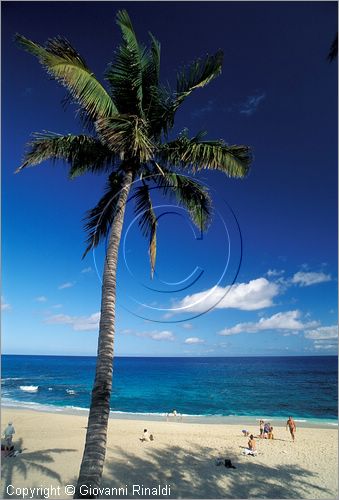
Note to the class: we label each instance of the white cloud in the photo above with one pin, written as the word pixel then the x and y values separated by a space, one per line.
pixel 87 270
pixel 255 294
pixel 78 323
pixel 323 333
pixel 66 285
pixel 289 320
pixel 187 326
pixel 324 337
pixel 41 298
pixel 4 305
pixel 274 272
pixel 154 335
pixel 194 340
pixel 251 104
pixel 168 315
pixel 325 345
pixel 57 306
pixel 162 335
pixel 302 278
pixel 289 334
pixel 126 331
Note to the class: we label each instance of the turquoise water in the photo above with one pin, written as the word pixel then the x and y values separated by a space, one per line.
pixel 305 387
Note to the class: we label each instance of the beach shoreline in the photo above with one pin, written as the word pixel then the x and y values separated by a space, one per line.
pixel 325 423
pixel 183 455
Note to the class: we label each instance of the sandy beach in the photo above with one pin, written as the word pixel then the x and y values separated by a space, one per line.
pixel 179 463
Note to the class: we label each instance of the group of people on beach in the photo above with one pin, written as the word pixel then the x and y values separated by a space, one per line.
pixel 266 432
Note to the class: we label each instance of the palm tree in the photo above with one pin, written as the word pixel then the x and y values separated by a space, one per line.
pixel 127 137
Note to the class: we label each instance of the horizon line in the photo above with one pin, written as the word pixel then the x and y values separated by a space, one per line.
pixel 186 357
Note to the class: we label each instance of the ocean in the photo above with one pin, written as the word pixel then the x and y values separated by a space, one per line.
pixel 305 387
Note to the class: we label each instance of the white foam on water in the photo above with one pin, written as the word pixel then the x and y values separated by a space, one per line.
pixel 11 378
pixel 77 408
pixel 12 403
pixel 29 388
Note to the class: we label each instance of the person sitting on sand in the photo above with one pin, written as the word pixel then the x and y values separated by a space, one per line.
pixel 270 433
pixel 245 432
pixel 145 436
pixel 292 427
pixel 252 447
pixel 251 443
pixel 8 433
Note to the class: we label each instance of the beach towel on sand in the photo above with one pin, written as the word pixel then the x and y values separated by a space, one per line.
pixel 250 452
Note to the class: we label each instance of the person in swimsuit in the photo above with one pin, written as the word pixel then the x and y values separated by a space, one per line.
pixel 261 428
pixel 252 447
pixel 267 427
pixel 292 427
pixel 251 443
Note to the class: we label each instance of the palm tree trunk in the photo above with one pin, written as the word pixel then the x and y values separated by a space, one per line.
pixel 95 448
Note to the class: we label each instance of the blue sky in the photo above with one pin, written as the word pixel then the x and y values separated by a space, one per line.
pixel 266 271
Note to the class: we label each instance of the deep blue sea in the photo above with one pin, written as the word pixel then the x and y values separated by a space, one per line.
pixel 305 387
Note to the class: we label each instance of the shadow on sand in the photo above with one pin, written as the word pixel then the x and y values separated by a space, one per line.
pixel 197 476
pixel 26 462
pixel 193 475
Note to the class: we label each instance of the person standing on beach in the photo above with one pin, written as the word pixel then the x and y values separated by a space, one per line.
pixel 8 433
pixel 267 427
pixel 261 428
pixel 292 427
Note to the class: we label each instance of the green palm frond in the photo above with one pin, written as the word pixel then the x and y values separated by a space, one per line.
pixel 65 65
pixel 165 104
pixel 83 153
pixel 154 66
pixel 100 218
pixel 198 154
pixel 188 193
pixel 150 75
pixel 147 220
pixel 198 74
pixel 125 75
pixel 161 111
pixel 126 135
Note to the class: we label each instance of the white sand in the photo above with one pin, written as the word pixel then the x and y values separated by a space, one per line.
pixel 182 457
